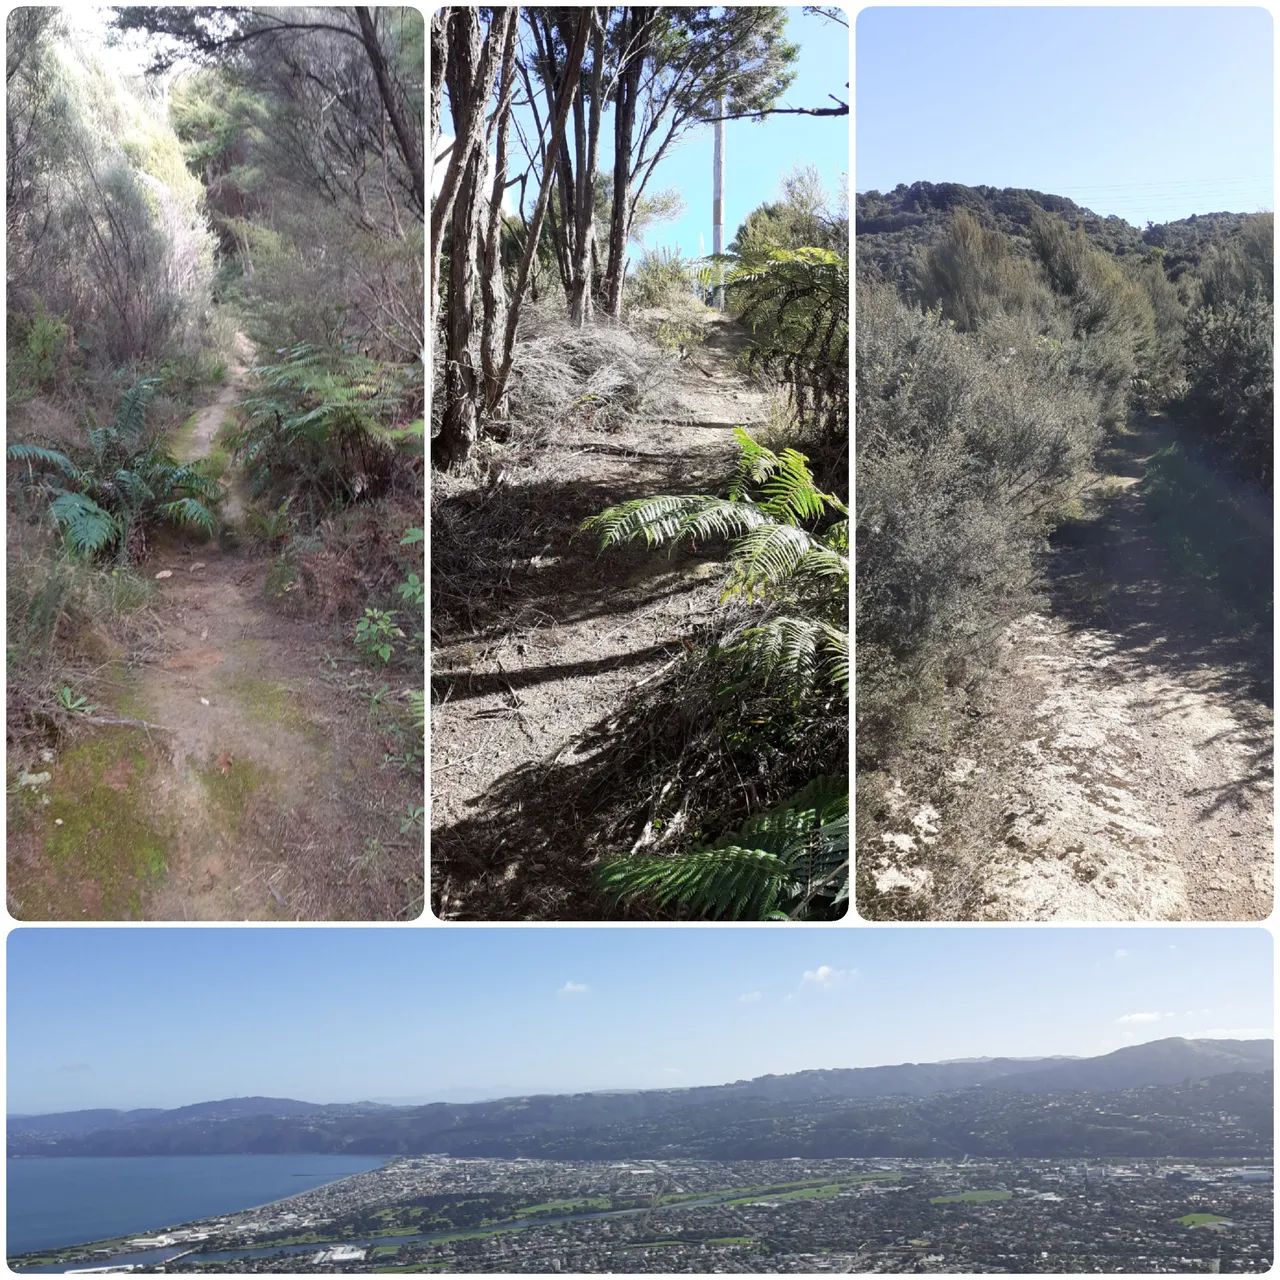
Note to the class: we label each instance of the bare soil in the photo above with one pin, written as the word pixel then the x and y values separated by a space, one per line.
pixel 530 664
pixel 253 782
pixel 1130 770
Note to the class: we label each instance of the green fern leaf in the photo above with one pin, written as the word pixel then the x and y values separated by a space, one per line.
pixel 189 512
pixel 85 525
pixel 30 453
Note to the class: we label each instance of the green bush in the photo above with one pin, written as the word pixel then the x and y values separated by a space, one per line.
pixel 1231 390
pixel 125 484
pixel 317 429
pixel 965 456
pixel 661 278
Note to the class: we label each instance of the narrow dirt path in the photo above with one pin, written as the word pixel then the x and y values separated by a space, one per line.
pixel 517 693
pixel 255 784
pixel 1146 789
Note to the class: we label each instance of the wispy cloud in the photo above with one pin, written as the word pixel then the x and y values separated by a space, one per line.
pixel 751 997
pixel 574 989
pixel 1121 953
pixel 825 976
pixel 1144 1017
pixel 672 1071
pixel 76 1067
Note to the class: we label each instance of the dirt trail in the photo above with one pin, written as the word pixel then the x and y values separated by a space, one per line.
pixel 516 694
pixel 260 792
pixel 1146 788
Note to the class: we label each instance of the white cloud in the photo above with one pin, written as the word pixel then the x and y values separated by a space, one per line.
pixel 1144 1017
pixel 672 1071
pixel 1121 953
pixel 825 976
pixel 574 989
pixel 751 997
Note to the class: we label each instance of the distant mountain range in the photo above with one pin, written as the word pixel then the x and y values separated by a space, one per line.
pixel 808 1111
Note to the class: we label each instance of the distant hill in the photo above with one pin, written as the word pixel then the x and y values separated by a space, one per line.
pixel 892 226
pixel 803 1113
pixel 1157 1062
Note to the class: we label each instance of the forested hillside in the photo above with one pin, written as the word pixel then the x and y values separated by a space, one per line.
pixel 1173 1096
pixel 639 512
pixel 215 484
pixel 1064 480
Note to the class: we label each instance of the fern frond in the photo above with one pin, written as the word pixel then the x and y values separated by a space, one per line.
pixel 85 525
pixel 30 453
pixel 418 705
pixel 131 416
pixel 768 554
pixel 777 866
pixel 667 519
pixel 190 512
pixel 133 487
pixel 729 882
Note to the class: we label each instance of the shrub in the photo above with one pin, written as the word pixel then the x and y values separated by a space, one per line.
pixel 319 429
pixel 1230 375
pixel 971 275
pixel 965 456
pixel 661 278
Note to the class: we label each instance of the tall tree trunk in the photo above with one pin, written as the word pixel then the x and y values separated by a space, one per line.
pixel 405 141
pixel 573 69
pixel 562 220
pixel 469 70
pixel 636 37
pixel 461 422
pixel 580 301
pixel 491 282
pixel 461 419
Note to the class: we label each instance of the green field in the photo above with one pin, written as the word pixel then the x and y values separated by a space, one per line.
pixel 570 1206
pixel 972 1197
pixel 1201 1219
pixel 731 1240
pixel 818 1189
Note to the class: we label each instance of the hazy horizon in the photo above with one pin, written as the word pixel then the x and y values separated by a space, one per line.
pixel 462 1096
pixel 122 1018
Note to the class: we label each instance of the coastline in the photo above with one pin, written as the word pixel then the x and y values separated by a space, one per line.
pixel 230 1222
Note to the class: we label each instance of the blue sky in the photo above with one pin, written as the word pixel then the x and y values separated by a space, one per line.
pixel 758 156
pixel 1148 113
pixel 163 1017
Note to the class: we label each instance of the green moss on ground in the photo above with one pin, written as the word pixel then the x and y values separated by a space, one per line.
pixel 230 789
pixel 105 849
pixel 271 702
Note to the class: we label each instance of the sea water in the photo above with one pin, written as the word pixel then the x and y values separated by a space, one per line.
pixel 73 1200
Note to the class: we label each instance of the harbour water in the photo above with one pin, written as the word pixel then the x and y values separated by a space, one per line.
pixel 60 1202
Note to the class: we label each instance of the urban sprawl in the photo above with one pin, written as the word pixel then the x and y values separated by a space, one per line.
pixel 437 1213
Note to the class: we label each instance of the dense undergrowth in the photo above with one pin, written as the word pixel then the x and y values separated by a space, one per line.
pixel 148 233
pixel 994 364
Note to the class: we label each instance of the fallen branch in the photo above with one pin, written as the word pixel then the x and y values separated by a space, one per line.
pixel 137 724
